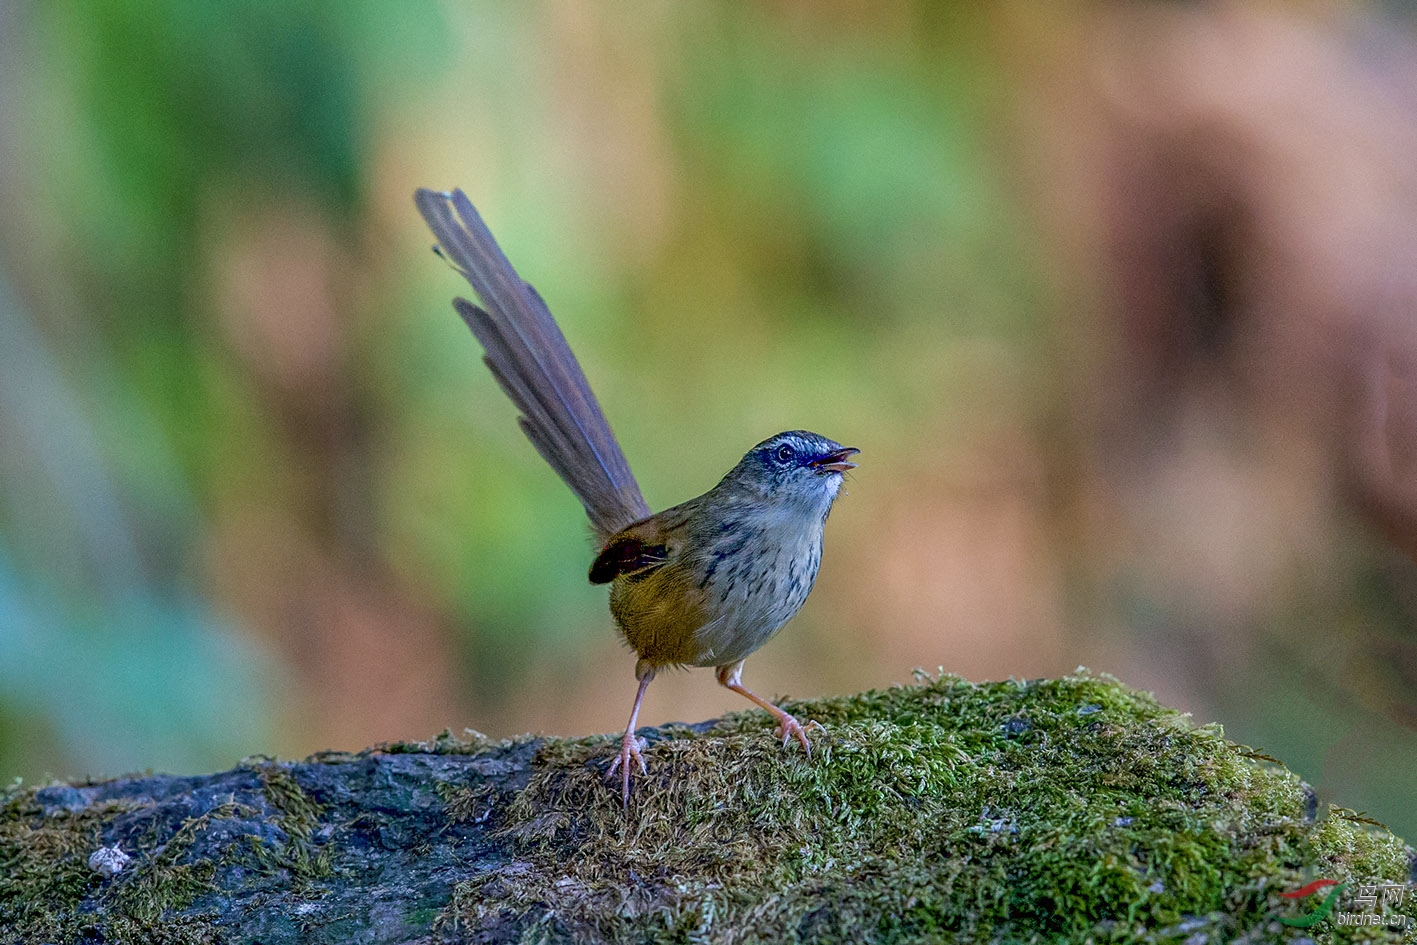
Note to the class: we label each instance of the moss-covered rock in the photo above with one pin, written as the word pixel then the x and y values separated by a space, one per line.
pixel 1055 810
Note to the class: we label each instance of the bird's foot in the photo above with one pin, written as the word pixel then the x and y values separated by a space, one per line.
pixel 789 728
pixel 630 748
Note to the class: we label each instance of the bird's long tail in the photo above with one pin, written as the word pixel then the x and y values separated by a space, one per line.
pixel 530 359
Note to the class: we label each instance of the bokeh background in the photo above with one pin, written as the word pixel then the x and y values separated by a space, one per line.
pixel 1119 301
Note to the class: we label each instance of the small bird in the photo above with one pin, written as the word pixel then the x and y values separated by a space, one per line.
pixel 704 583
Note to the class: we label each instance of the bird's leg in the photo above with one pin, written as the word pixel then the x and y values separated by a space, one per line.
pixel 630 745
pixel 731 677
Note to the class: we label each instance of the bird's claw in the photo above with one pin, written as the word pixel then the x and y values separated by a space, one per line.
pixel 630 747
pixel 789 728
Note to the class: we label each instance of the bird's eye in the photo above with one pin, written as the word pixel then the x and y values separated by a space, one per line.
pixel 785 453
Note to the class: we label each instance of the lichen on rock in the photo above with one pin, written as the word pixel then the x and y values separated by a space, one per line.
pixel 1073 809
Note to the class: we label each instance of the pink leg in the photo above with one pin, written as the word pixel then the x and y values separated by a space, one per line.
pixel 629 745
pixel 731 677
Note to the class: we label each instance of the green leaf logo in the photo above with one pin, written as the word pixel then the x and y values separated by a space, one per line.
pixel 1325 907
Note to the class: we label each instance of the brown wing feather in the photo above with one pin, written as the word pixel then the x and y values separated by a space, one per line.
pixel 629 555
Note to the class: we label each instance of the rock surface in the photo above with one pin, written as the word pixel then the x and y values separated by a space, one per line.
pixel 1055 810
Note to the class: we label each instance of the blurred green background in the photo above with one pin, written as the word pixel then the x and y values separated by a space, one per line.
pixel 1115 327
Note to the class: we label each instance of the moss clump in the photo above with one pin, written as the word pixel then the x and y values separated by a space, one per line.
pixel 1071 810
pixel 444 743
pixel 167 880
pixel 297 815
pixel 1058 810
pixel 49 893
pixel 44 869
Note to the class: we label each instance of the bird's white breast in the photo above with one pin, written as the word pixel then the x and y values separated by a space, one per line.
pixel 761 584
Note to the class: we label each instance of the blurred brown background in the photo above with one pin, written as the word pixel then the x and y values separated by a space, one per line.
pixel 1118 299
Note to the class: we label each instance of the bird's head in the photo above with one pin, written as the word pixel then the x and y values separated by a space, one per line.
pixel 796 467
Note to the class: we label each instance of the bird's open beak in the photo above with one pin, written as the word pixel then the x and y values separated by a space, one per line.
pixel 836 461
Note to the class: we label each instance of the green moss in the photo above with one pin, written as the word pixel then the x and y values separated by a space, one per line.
pixel 298 816
pixel 299 812
pixel 44 877
pixel 167 879
pixel 1071 810
pixel 467 804
pixel 48 892
pixel 1064 810
pixel 44 869
pixel 444 743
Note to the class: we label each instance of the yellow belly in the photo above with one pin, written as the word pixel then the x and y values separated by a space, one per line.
pixel 659 615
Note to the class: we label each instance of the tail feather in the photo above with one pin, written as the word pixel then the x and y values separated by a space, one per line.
pixel 550 441
pixel 534 366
